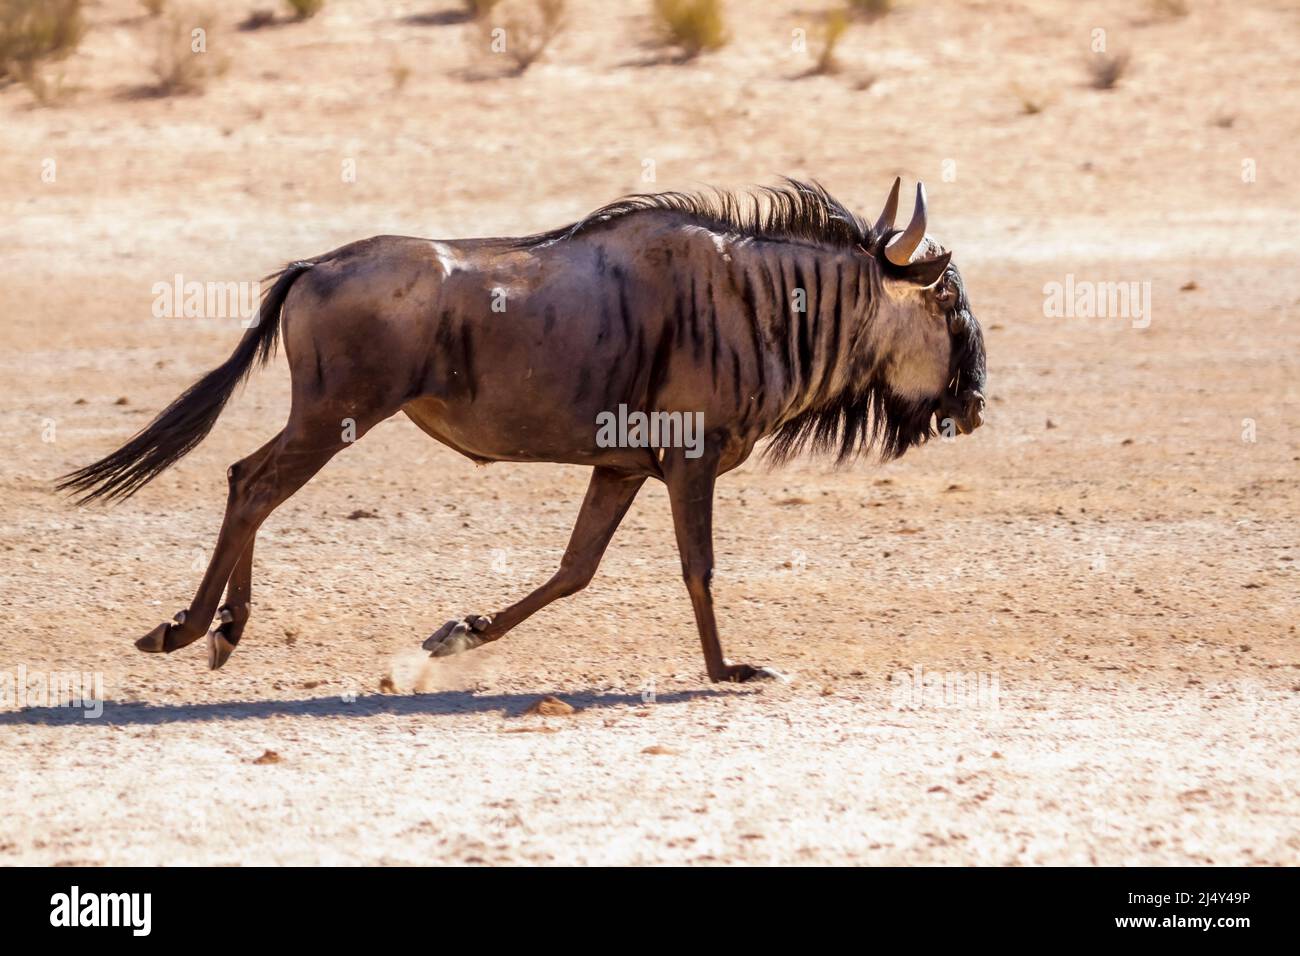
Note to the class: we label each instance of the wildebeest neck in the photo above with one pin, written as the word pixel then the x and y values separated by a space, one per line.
pixel 816 307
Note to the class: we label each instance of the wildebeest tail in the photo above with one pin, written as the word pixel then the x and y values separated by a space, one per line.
pixel 186 421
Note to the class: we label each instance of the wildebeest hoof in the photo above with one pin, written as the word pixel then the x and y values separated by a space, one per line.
pixel 742 673
pixel 166 638
pixel 219 648
pixel 153 642
pixel 456 637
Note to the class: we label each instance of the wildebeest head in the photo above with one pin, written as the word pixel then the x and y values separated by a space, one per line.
pixel 928 342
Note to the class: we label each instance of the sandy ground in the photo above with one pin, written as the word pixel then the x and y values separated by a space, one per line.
pixel 1111 561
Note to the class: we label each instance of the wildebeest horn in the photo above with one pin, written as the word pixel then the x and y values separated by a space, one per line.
pixel 886 220
pixel 899 249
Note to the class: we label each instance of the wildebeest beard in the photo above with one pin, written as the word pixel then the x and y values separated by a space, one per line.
pixel 855 422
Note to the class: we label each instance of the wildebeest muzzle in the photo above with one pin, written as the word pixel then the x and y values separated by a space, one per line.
pixel 965 411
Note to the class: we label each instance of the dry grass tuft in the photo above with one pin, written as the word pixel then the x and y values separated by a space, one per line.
pixel 399 72
pixel 183 65
pixel 478 9
pixel 34 33
pixel 521 31
pixel 693 26
pixel 1033 99
pixel 305 9
pixel 1105 69
pixel 870 9
pixel 833 27
pixel 257 19
pixel 1170 8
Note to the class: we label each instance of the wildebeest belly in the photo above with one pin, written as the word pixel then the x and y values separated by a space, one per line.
pixel 518 393
pixel 523 434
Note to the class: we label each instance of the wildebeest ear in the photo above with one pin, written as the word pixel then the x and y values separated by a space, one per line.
pixel 925 272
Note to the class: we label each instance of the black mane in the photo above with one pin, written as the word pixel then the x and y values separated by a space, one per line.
pixel 798 211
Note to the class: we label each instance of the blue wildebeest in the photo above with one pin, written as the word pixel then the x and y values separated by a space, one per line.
pixel 781 315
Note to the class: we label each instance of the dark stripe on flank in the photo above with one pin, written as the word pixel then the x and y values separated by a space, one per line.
pixel 715 334
pixel 735 380
pixel 697 337
pixel 624 315
pixel 804 320
pixel 467 358
pixel 658 368
pixel 780 319
pixel 756 335
pixel 836 307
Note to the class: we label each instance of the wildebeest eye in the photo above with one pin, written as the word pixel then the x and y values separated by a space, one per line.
pixel 946 294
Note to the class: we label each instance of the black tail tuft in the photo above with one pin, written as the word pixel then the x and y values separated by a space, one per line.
pixel 186 421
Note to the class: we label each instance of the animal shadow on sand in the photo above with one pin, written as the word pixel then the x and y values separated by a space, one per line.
pixel 437 704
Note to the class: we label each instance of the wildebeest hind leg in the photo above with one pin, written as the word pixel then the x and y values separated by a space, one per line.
pixel 233 615
pixel 609 494
pixel 258 484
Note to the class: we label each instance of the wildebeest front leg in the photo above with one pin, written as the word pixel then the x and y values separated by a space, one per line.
pixel 609 495
pixel 690 491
